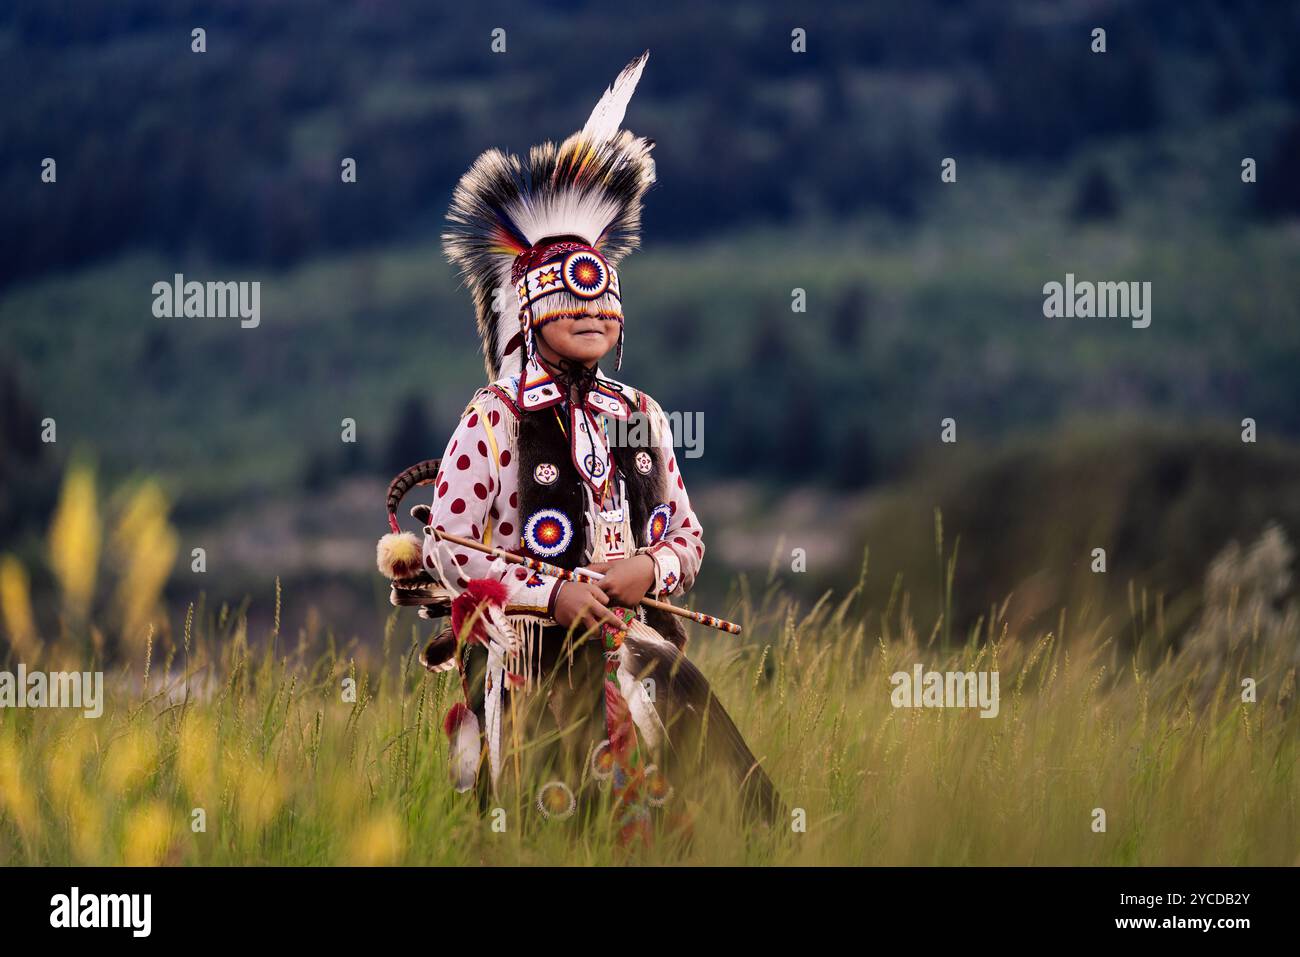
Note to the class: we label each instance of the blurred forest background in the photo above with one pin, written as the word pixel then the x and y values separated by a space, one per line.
pixel 777 170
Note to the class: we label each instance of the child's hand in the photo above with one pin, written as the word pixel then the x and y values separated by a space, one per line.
pixel 627 580
pixel 582 605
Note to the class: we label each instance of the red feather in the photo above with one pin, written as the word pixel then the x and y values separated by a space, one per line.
pixel 477 591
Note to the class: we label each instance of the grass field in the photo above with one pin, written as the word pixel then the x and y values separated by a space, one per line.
pixel 255 731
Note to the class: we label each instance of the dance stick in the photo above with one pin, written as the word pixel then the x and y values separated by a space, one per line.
pixel 570 575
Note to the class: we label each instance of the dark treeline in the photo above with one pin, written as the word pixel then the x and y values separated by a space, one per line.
pixel 234 153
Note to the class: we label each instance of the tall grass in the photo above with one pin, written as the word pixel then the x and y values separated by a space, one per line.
pixel 257 733
pixel 287 771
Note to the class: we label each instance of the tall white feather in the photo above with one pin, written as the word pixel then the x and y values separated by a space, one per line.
pixel 607 117
pixel 639 703
pixel 465 753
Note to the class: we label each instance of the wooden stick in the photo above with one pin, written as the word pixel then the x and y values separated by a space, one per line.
pixel 577 575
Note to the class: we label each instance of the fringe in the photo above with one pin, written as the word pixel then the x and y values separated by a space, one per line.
pixel 527 660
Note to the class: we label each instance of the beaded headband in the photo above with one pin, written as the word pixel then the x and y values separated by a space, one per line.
pixel 565 267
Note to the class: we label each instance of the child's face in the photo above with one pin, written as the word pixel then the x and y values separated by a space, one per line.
pixel 583 338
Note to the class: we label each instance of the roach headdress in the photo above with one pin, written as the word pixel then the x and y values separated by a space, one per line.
pixel 538 239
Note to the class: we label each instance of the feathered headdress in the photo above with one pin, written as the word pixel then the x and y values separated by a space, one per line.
pixel 538 239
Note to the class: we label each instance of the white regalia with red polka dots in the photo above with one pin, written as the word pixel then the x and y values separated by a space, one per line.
pixel 476 496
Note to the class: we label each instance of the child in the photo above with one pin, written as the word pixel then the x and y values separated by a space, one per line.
pixel 558 462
